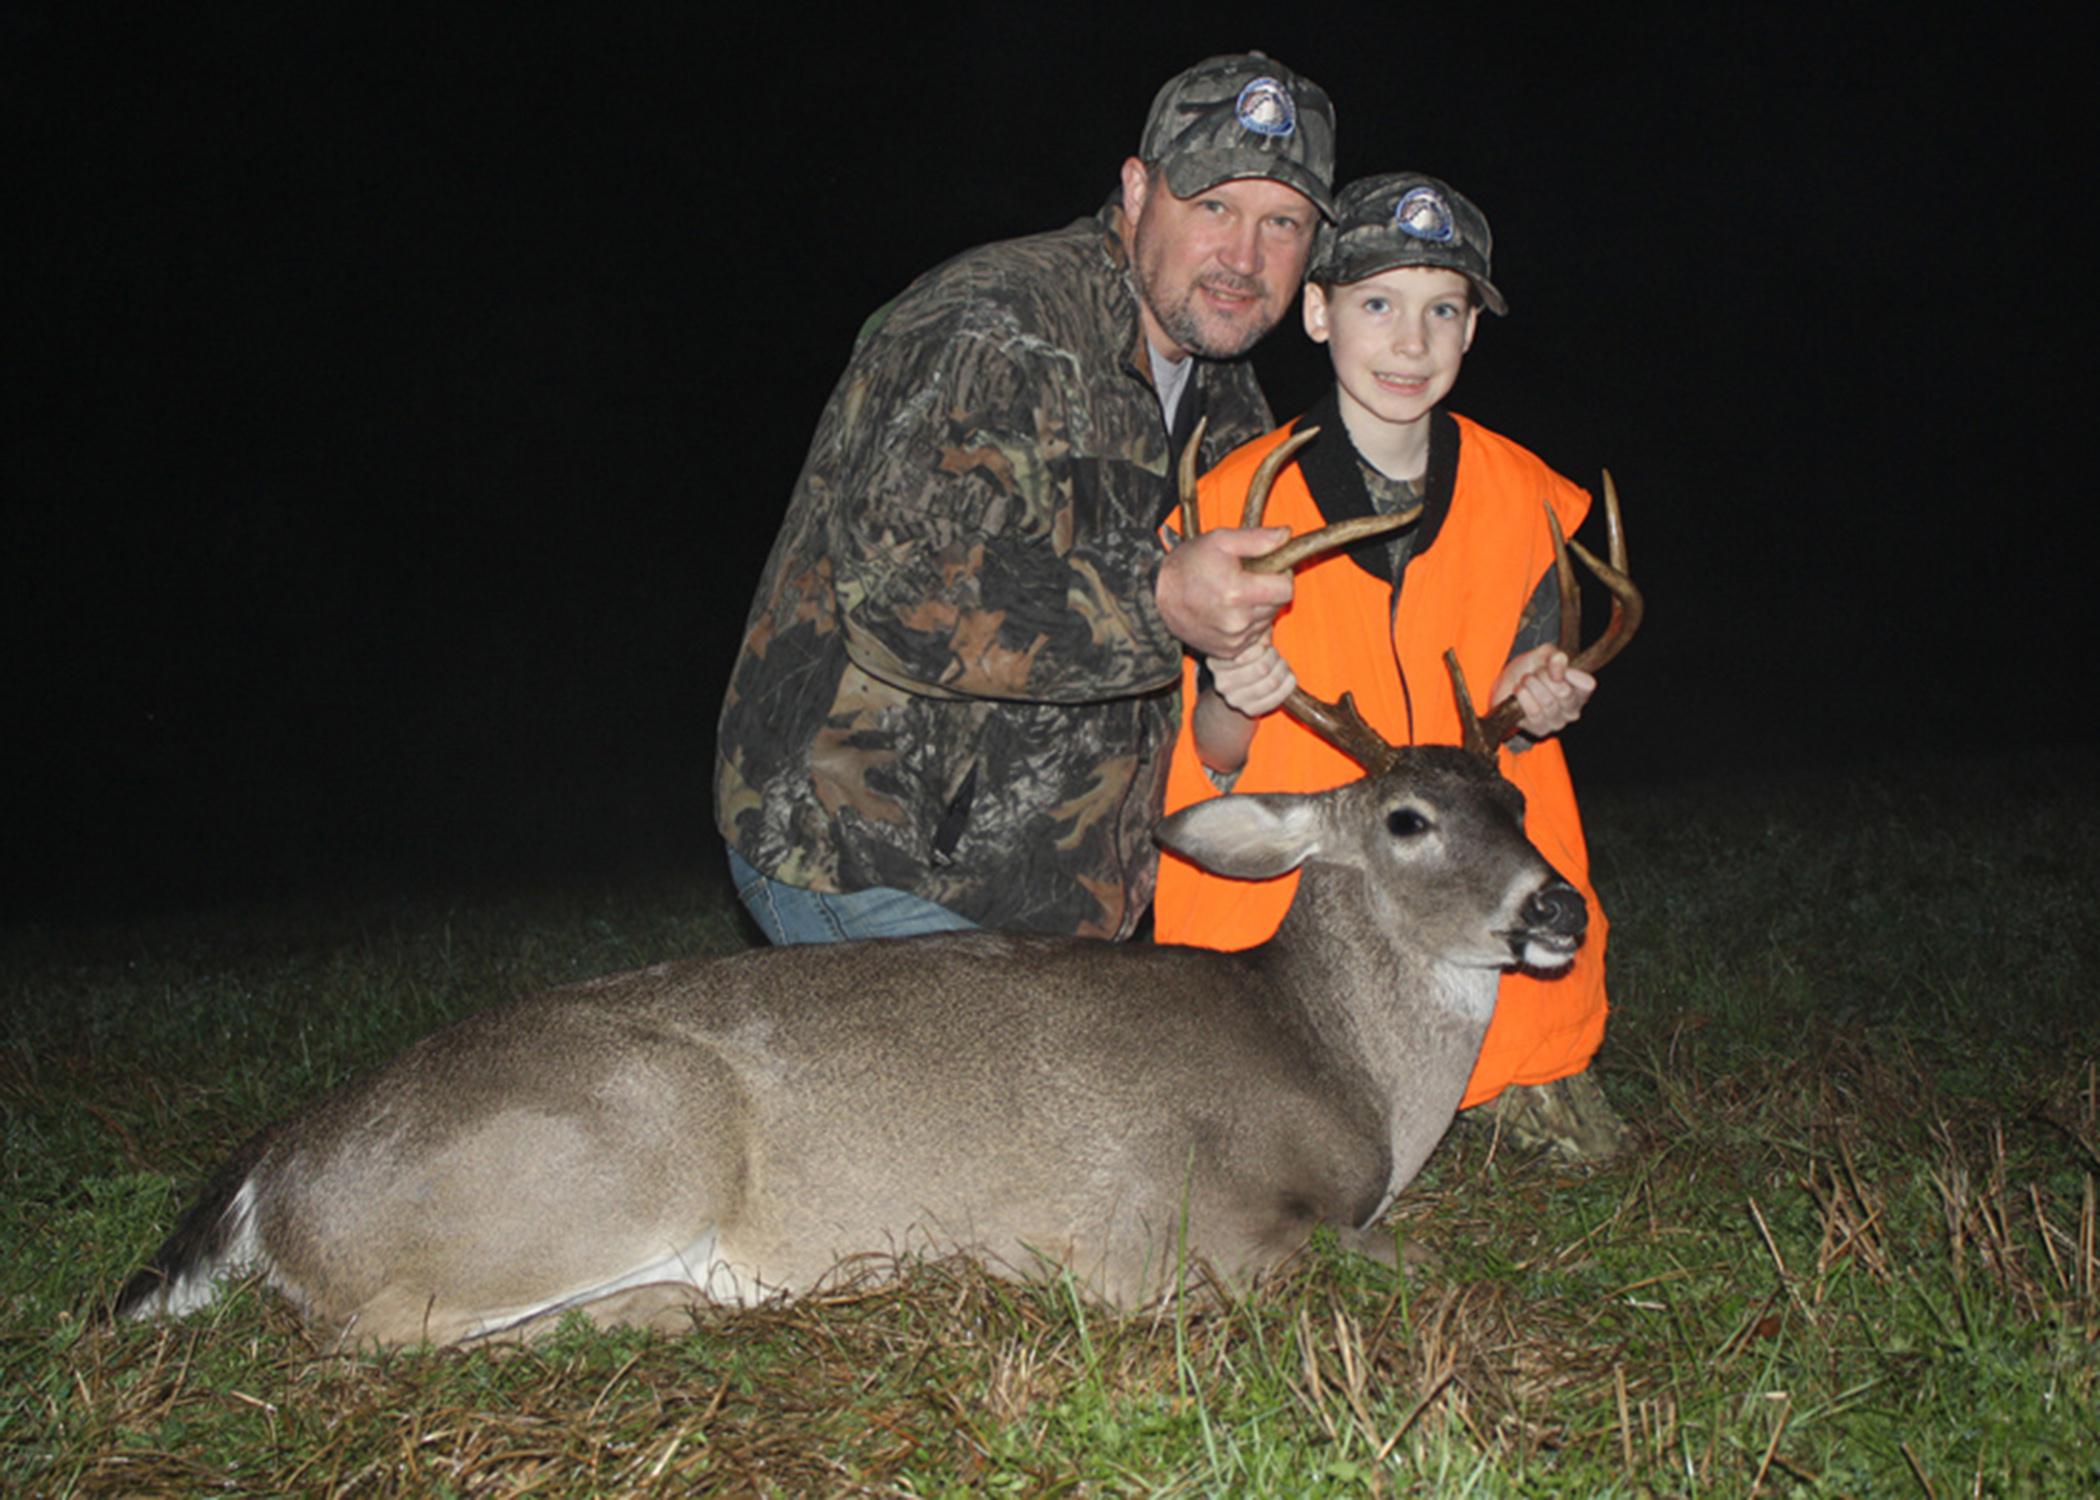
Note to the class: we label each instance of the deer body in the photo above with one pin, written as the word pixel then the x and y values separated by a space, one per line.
pixel 727 1130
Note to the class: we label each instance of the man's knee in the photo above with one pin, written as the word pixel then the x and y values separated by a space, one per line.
pixel 789 914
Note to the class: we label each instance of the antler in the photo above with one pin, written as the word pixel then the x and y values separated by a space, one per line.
pixel 1341 724
pixel 1298 549
pixel 1485 736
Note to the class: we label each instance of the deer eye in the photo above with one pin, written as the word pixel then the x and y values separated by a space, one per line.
pixel 1405 823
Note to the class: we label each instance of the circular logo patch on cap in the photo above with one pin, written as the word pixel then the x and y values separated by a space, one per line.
pixel 1266 108
pixel 1424 215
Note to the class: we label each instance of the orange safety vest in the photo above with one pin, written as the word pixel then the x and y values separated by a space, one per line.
pixel 1344 631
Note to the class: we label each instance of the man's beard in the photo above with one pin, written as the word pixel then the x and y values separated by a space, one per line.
pixel 1180 323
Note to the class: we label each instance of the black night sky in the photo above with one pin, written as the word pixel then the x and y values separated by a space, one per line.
pixel 400 401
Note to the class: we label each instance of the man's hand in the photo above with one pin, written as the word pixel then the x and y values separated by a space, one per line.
pixel 1255 682
pixel 1551 692
pixel 1213 605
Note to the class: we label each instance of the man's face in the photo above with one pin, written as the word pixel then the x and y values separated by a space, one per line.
pixel 1215 271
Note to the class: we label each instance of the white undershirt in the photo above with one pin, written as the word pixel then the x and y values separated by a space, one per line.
pixel 1170 377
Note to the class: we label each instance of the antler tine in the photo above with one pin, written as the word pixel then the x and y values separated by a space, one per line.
pixel 1185 482
pixel 1329 538
pixel 1343 726
pixel 1266 471
pixel 1570 594
pixel 1626 603
pixel 1482 738
pixel 1626 609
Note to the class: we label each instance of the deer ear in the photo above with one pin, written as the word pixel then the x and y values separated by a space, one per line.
pixel 1248 838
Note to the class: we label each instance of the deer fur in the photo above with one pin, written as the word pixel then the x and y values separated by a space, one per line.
pixel 728 1130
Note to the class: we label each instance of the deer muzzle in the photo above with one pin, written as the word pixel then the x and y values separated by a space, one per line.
pixel 1553 921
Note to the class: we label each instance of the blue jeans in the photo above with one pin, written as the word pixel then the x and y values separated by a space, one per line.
pixel 791 914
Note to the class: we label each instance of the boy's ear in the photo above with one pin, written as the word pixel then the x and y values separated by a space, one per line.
pixel 1472 326
pixel 1316 314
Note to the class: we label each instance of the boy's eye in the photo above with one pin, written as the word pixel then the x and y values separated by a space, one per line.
pixel 1375 304
pixel 1444 310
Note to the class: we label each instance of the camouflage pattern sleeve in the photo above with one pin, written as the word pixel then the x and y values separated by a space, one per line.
pixel 979 555
pixel 1540 623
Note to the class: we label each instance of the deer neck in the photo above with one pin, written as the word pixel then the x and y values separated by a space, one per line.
pixel 1411 1024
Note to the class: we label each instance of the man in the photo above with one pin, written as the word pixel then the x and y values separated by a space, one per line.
pixel 958 686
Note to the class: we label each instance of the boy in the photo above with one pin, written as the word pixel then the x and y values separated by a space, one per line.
pixel 1395 292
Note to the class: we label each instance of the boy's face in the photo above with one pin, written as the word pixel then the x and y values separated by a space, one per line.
pixel 1396 339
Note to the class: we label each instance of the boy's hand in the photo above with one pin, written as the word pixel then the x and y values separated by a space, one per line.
pixel 1214 605
pixel 1255 682
pixel 1552 693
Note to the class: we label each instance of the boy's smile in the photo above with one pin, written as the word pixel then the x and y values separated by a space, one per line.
pixel 1397 340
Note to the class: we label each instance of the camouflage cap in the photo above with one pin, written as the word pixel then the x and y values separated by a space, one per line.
pixel 1405 219
pixel 1243 115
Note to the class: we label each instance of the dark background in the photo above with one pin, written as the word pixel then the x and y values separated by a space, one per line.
pixel 399 405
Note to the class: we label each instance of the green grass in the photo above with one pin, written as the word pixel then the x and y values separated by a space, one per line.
pixel 1853 1253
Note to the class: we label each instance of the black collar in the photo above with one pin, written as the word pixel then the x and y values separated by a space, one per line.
pixel 1330 466
pixel 1194 400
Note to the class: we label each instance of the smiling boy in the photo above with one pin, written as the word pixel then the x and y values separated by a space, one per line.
pixel 1395 293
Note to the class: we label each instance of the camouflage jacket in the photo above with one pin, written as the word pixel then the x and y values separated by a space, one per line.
pixel 955 680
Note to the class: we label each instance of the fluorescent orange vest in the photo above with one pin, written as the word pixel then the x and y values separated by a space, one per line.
pixel 1344 632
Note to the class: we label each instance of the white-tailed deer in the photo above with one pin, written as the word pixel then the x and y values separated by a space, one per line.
pixel 731 1129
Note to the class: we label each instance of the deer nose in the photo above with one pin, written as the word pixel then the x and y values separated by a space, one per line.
pixel 1557 907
